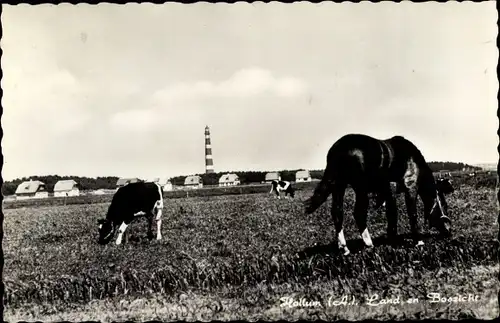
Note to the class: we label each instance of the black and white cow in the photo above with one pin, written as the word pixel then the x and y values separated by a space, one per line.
pixel 278 186
pixel 129 202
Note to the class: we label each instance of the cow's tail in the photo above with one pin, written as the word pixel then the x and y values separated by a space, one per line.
pixel 321 192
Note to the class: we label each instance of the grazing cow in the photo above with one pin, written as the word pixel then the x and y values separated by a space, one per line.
pixel 278 186
pixel 370 165
pixel 129 202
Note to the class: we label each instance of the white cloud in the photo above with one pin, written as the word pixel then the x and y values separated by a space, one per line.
pixel 245 83
pixel 182 102
pixel 135 120
pixel 338 70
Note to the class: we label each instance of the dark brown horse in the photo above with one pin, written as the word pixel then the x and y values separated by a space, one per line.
pixel 369 165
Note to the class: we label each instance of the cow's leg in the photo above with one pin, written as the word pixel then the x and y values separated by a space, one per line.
pixel 121 232
pixel 360 215
pixel 158 223
pixel 274 190
pixel 337 212
pixel 150 226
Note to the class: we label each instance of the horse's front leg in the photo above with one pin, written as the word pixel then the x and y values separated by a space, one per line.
pixel 337 212
pixel 411 208
pixel 428 203
pixel 379 200
pixel 361 215
pixel 391 212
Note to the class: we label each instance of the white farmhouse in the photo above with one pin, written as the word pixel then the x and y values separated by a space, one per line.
pixel 124 181
pixel 193 182
pixel 164 183
pixel 229 180
pixel 302 176
pixel 66 188
pixel 31 189
pixel 272 176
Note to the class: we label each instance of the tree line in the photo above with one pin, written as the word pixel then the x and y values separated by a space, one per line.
pixel 246 177
pixel 450 166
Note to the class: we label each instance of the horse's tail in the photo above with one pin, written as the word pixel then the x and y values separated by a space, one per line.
pixel 321 192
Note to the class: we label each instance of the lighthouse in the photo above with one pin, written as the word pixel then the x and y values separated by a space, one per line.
pixel 209 163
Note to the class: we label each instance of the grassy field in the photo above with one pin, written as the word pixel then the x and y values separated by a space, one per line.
pixel 254 188
pixel 236 256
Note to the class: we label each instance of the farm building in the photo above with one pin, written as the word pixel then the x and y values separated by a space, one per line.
pixel 31 189
pixel 66 188
pixel 272 176
pixel 124 181
pixel 193 181
pixel 229 180
pixel 164 183
pixel 303 176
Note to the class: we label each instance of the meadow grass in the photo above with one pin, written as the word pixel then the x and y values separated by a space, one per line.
pixel 216 248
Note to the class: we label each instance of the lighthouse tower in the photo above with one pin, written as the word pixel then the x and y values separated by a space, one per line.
pixel 209 163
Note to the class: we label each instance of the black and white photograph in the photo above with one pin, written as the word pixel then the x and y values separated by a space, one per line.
pixel 250 161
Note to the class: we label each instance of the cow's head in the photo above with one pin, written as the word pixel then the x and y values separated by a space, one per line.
pixel 106 231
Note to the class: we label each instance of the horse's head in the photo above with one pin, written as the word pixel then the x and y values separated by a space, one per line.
pixel 444 186
pixel 106 231
pixel 439 212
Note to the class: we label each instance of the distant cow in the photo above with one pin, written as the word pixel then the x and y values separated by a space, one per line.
pixel 129 202
pixel 278 186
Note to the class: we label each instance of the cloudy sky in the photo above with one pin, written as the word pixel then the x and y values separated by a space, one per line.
pixel 127 90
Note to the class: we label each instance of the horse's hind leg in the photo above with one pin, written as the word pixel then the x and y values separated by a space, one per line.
pixel 361 214
pixel 338 216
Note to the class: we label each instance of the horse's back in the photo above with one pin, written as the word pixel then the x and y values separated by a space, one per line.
pixel 355 157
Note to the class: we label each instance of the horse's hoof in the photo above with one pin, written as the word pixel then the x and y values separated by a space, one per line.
pixel 346 251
